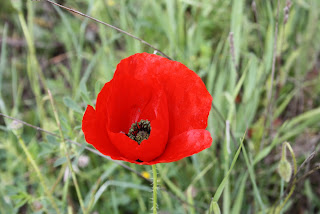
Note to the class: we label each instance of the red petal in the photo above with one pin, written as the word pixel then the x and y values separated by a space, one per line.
pixel 155 145
pixel 149 149
pixel 189 102
pixel 133 100
pixel 184 145
pixel 102 103
pixel 96 135
pixel 126 146
pixel 128 99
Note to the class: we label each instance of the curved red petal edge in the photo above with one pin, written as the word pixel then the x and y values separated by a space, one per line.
pixel 94 135
pixel 184 145
pixel 179 129
pixel 188 99
pixel 97 139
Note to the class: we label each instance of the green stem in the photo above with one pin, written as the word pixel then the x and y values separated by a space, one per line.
pixel 37 170
pixel 64 145
pixel 155 185
pixel 295 169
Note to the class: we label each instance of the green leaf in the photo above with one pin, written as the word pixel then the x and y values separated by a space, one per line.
pixel 73 105
pixel 214 208
pixel 60 161
pixel 11 6
pixel 223 183
pixel 52 140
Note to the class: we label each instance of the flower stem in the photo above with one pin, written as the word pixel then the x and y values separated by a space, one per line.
pixel 73 175
pixel 155 185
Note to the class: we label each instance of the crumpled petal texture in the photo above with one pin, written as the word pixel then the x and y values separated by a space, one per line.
pixel 149 87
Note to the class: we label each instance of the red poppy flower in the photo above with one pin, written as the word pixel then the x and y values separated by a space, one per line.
pixel 154 110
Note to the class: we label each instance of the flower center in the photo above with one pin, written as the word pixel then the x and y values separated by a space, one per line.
pixel 140 131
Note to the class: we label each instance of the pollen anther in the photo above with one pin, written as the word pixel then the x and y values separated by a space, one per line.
pixel 140 131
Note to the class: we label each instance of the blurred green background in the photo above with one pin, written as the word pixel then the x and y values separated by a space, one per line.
pixel 231 45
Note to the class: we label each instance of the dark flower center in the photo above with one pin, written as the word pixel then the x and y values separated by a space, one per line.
pixel 140 131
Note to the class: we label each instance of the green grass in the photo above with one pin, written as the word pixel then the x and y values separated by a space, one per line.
pixel 45 47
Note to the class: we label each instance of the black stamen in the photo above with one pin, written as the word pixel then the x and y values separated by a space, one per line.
pixel 140 161
pixel 140 131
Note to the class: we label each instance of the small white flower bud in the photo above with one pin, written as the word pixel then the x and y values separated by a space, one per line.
pixel 83 161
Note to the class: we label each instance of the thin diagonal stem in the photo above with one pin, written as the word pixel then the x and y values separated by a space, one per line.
pixel 77 144
pixel 73 175
pixel 111 26
pixel 38 173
